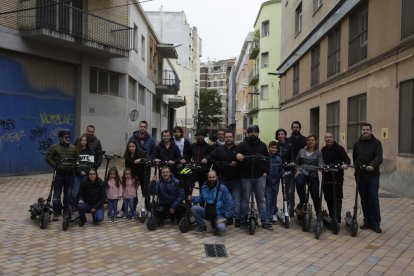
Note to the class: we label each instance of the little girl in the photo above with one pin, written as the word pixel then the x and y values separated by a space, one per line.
pixel 113 193
pixel 129 192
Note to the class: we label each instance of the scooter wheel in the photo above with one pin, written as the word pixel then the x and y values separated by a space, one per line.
pixel 287 222
pixel 354 228
pixel 318 229
pixel 65 224
pixel 335 227
pixel 252 226
pixel 184 226
pixel 32 216
pixel 151 224
pixel 44 220
pixel 306 222
pixel 142 216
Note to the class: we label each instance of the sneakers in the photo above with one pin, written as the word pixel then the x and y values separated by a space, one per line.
pixel 267 226
pixel 364 227
pixel 55 218
pixel 201 229
pixel 110 220
pixel 274 219
pixel 377 229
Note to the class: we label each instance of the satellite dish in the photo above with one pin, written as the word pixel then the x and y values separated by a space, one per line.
pixel 134 115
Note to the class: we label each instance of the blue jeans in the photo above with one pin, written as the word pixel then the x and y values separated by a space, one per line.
pixel 113 208
pixel 258 185
pixel 199 215
pixel 368 187
pixel 65 183
pixel 76 186
pixel 313 182
pixel 271 191
pixel 129 204
pixel 84 208
pixel 235 190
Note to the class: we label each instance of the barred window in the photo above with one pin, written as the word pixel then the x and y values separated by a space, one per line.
pixel 357 114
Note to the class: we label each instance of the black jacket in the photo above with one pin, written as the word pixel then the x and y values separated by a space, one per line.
pixel 200 151
pixel 166 154
pixel 369 153
pixel 137 170
pixel 260 167
pixel 298 143
pixel 187 151
pixel 94 194
pixel 225 154
pixel 335 155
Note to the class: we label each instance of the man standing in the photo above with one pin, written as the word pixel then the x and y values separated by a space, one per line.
pixel 143 139
pixel 62 158
pixel 218 205
pixel 367 152
pixel 253 172
pixel 297 142
pixel 167 151
pixel 334 154
pixel 94 144
pixel 220 139
pixel 229 173
pixel 183 144
pixel 200 150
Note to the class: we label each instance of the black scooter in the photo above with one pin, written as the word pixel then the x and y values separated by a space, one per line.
pixel 284 214
pixel 351 220
pixel 333 222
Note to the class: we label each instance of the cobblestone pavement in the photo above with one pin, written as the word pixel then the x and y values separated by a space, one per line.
pixel 128 248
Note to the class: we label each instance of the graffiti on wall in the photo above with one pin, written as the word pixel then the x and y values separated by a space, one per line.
pixel 57 119
pixel 12 136
pixel 7 124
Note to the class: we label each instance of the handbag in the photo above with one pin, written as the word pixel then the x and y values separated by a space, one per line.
pixel 210 209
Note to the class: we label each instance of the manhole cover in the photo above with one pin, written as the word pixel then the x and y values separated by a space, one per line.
pixel 215 250
pixel 386 195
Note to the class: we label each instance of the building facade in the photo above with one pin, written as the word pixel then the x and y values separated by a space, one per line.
pixel 342 65
pixel 74 63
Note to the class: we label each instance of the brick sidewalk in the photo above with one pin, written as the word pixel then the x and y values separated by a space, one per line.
pixel 127 248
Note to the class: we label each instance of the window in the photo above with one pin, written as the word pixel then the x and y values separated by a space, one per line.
pixel 141 94
pixel 295 79
pixel 265 28
pixel 264 92
pixel 132 86
pixel 315 53
pixel 314 121
pixel 156 104
pixel 104 82
pixel 334 51
pixel 164 111
pixel 265 60
pixel 316 4
pixel 406 119
pixel 332 119
pixel 407 18
pixel 357 114
pixel 358 35
pixel 143 47
pixel 136 37
pixel 298 19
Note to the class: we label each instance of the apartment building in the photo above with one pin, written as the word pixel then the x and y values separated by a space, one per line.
pixel 68 64
pixel 174 28
pixel 343 64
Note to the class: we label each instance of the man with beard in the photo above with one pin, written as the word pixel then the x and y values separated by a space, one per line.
pixel 200 150
pixel 218 205
pixel 220 139
pixel 254 178
pixel 297 142
pixel 183 144
pixel 168 152
pixel 143 139
pixel 94 145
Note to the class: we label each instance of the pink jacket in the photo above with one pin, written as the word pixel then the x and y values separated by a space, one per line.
pixel 112 191
pixel 129 190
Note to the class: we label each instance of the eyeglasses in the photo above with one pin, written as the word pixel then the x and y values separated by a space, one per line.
pixel 66 137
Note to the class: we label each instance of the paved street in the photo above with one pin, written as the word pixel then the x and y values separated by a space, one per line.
pixel 127 248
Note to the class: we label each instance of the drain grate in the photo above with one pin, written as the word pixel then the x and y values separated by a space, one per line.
pixel 215 250
pixel 387 195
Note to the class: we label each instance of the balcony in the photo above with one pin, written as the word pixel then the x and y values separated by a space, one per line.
pixel 177 102
pixel 254 77
pixel 168 83
pixel 254 51
pixel 253 106
pixel 71 27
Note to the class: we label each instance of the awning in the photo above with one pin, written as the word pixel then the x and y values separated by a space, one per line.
pixel 177 102
pixel 167 50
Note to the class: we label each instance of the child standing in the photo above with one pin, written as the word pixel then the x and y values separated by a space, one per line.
pixel 129 192
pixel 272 182
pixel 113 193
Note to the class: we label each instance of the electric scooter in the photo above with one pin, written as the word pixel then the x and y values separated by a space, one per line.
pixel 351 220
pixel 333 222
pixel 284 215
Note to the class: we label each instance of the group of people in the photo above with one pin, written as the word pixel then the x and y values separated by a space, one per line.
pixel 227 175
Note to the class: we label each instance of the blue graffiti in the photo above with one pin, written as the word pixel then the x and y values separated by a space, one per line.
pixel 38 132
pixel 7 124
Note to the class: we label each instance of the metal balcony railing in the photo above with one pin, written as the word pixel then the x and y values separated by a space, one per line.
pixel 168 82
pixel 253 77
pixel 57 18
pixel 253 106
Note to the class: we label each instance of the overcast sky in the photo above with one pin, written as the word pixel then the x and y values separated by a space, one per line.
pixel 222 24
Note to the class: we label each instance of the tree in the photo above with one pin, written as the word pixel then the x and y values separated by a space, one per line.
pixel 210 108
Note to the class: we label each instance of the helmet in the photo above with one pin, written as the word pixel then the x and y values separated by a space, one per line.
pixel 63 132
pixel 252 128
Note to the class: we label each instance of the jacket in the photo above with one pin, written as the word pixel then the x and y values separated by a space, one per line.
pixel 137 170
pixel 335 155
pixel 129 189
pixel 224 206
pixel 146 143
pixel 275 169
pixel 315 159
pixel 257 147
pixel 165 154
pixel 297 142
pixel 368 153
pixel 187 150
pixel 170 192
pixel 86 161
pixel 57 152
pixel 112 190
pixel 225 154
pixel 95 146
pixel 94 194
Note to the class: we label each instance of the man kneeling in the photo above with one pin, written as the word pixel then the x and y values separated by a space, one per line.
pixel 218 205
